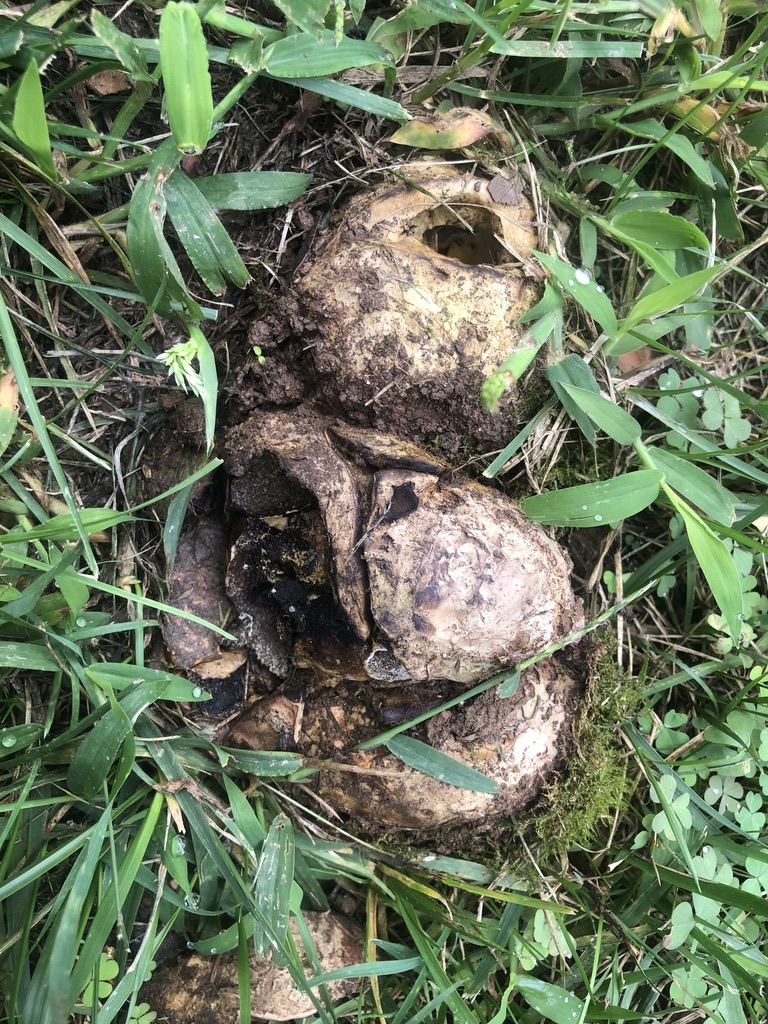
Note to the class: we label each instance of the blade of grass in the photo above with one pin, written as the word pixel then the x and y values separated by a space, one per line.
pixel 187 80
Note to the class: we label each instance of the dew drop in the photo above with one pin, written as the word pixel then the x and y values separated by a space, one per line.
pixel 571 282
pixel 584 508
pixel 598 519
pixel 190 945
pixel 740 617
pixel 600 288
pixel 583 276
pixel 197 692
pixel 9 741
pixel 213 951
pixel 80 623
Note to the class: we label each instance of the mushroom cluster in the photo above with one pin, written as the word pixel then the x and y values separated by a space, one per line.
pixel 365 578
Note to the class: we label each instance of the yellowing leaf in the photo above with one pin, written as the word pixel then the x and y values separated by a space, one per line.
pixel 9 408
pixel 455 129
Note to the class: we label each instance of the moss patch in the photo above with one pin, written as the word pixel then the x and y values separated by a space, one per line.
pixel 595 783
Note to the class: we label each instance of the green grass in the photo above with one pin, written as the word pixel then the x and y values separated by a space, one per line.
pixel 643 131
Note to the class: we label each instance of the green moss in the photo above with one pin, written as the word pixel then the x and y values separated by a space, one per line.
pixel 595 783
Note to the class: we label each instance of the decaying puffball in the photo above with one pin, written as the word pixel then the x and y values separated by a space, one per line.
pixel 412 301
pixel 438 577
pixel 518 742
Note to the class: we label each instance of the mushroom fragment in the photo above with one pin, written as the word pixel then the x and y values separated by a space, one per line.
pixel 519 742
pixel 199 989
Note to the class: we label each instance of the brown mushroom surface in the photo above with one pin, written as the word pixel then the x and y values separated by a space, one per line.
pixel 423 582
pixel 519 742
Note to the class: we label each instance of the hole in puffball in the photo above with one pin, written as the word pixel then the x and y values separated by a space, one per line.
pixel 448 236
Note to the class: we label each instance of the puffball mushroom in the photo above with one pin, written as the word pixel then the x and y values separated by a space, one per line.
pixel 445 576
pixel 412 301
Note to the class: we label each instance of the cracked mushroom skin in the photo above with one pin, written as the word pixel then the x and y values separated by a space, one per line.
pixel 461 583
pixel 412 302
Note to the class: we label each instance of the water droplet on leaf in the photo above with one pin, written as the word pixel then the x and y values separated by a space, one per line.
pixel 583 276
pixel 197 692
pixel 598 519
pixel 9 741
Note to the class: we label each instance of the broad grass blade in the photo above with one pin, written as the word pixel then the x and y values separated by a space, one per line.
pixel 596 504
pixel 581 285
pixel 64 527
pixel 660 230
pixel 697 486
pixel 667 298
pixel 27 657
pixel 273 887
pixel 52 991
pixel 351 95
pixel 116 894
pixel 29 121
pixel 208 245
pixel 307 15
pixel 252 190
pixel 187 80
pixel 716 563
pixel 678 144
pixel 95 755
pixel 552 1001
pixel 120 676
pixel 207 363
pixel 124 47
pixel 302 56
pixel 574 371
pixel 440 766
pixel 616 422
